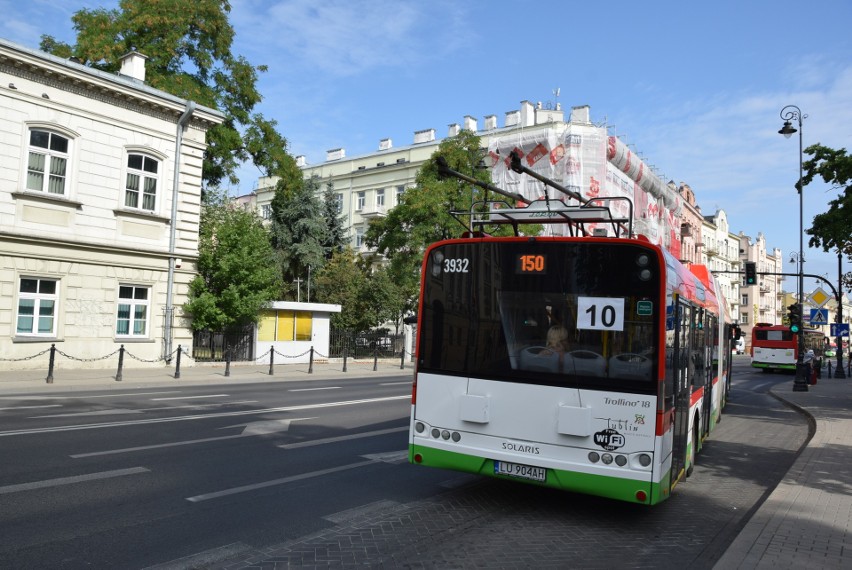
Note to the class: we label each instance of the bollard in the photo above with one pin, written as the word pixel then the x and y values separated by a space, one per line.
pixel 271 359
pixel 375 357
pixel 344 356
pixel 120 363
pixel 311 362
pixel 402 358
pixel 228 361
pixel 829 369
pixel 177 363
pixel 49 378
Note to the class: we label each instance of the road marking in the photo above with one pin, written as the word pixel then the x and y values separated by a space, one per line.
pixel 190 397
pixel 31 407
pixel 315 389
pixel 341 438
pixel 59 397
pixel 274 482
pixel 71 480
pixel 202 417
pixel 250 429
pixel 110 412
pixel 396 383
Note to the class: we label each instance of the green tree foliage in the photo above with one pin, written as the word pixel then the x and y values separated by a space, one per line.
pixel 298 231
pixel 237 270
pixel 336 235
pixel 832 230
pixel 341 282
pixel 188 46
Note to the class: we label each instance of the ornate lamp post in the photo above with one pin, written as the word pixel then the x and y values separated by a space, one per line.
pixel 788 114
pixel 839 372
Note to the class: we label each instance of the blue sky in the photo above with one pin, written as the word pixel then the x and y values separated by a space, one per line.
pixel 697 88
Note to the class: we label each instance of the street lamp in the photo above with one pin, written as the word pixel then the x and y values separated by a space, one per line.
pixel 788 114
pixel 839 373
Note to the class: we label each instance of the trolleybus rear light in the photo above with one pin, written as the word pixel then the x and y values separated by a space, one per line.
pixel 418 458
pixel 641 496
pixel 594 456
pixel 620 460
pixel 436 433
pixel 419 427
pixel 445 434
pixel 606 458
pixel 456 436
pixel 644 459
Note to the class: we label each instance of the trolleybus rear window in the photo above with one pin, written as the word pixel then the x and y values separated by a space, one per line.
pixel 542 311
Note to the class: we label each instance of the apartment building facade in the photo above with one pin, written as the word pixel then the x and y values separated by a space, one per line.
pixel 762 302
pixel 100 193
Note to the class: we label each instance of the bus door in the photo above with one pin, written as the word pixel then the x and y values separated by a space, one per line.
pixel 684 321
pixel 707 334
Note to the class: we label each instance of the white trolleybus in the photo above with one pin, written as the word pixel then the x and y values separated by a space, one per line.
pixel 590 364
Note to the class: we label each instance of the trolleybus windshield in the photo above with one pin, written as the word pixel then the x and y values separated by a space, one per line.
pixel 543 311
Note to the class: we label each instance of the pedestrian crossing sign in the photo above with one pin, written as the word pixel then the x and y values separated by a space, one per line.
pixel 819 317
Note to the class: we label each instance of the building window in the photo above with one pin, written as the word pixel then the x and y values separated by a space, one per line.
pixel 133 311
pixel 745 300
pixel 338 202
pixel 37 306
pixel 359 237
pixel 360 201
pixel 400 190
pixel 743 318
pixel 48 162
pixel 142 177
pixel 380 198
pixel 266 211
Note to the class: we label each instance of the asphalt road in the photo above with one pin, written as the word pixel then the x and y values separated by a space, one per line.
pixel 314 473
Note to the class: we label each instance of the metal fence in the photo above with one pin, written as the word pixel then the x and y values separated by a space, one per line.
pixel 213 346
pixel 364 345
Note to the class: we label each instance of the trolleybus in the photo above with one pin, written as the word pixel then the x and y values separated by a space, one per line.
pixel 619 408
pixel 776 347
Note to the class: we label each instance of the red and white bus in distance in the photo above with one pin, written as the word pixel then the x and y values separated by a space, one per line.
pixel 776 347
pixel 614 403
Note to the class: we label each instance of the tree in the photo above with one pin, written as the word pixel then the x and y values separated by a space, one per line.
pixel 298 231
pixel 341 282
pixel 237 271
pixel 336 236
pixel 188 46
pixel 832 230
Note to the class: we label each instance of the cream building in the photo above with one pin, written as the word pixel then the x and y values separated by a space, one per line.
pixel 720 253
pixel 764 301
pixel 100 191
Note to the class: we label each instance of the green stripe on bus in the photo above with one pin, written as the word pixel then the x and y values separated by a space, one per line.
pixel 600 485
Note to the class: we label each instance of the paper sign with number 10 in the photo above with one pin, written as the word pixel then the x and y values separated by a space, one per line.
pixel 600 313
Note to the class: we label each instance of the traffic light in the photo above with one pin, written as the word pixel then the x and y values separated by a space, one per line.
pixel 795 317
pixel 751 273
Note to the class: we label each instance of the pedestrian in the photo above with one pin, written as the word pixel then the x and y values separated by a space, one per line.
pixel 810 372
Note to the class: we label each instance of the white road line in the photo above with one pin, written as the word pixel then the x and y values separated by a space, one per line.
pixel 396 383
pixel 156 446
pixel 65 397
pixel 201 417
pixel 314 389
pixel 341 438
pixel 274 482
pixel 110 412
pixel 190 397
pixel 71 480
pixel 31 407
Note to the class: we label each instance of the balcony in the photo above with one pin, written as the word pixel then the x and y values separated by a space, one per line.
pixel 369 212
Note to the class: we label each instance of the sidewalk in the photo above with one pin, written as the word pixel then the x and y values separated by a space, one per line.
pixel 807 520
pixel 35 381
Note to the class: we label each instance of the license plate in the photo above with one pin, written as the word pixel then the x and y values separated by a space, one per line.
pixel 521 471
